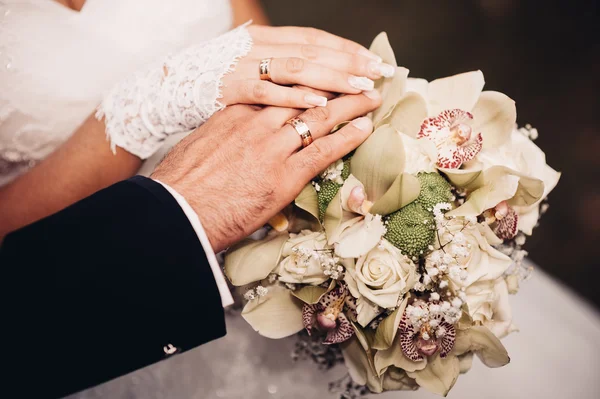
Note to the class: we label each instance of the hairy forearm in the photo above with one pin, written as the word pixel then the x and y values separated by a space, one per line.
pixel 79 168
pixel 245 10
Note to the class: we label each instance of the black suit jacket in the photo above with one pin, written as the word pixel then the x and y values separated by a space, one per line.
pixel 111 284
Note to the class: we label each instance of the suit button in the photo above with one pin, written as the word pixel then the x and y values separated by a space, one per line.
pixel 170 349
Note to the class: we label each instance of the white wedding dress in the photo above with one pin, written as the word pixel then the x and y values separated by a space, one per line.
pixel 55 65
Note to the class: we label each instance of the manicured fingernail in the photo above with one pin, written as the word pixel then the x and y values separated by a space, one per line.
pixel 363 124
pixel 381 69
pixel 369 54
pixel 361 83
pixel 372 94
pixel 313 99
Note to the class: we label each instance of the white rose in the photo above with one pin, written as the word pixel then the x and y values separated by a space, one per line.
pixel 301 259
pixel 381 277
pixel 474 256
pixel 488 304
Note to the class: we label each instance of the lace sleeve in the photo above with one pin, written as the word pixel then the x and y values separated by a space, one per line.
pixel 176 95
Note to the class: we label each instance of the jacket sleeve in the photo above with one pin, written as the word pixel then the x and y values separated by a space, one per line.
pixel 109 285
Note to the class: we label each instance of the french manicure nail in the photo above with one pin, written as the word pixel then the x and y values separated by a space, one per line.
pixel 367 53
pixel 361 83
pixel 381 69
pixel 363 124
pixel 313 99
pixel 372 94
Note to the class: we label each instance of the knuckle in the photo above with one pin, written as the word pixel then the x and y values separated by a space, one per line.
pixel 348 135
pixel 322 151
pixel 310 163
pixel 294 65
pixel 355 64
pixel 318 114
pixel 312 35
pixel 309 51
pixel 259 91
pixel 350 46
pixel 246 88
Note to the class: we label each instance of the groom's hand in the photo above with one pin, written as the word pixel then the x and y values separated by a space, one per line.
pixel 245 164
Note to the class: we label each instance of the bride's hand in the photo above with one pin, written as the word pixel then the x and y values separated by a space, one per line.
pixel 301 56
pixel 186 88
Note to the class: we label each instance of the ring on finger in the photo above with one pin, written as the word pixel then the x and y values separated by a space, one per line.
pixel 264 68
pixel 302 129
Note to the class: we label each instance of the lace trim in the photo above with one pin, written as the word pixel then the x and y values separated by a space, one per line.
pixel 175 96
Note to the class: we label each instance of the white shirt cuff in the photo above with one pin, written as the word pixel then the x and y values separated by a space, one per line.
pixel 226 298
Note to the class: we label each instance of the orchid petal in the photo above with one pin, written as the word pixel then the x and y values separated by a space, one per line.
pixel 465 362
pixel 529 192
pixel 251 260
pixel 419 86
pixel 404 190
pixel 407 342
pixel 388 328
pixel 393 356
pixel 360 365
pixel 381 47
pixel 309 317
pixel 277 315
pixel 407 115
pixel 497 184
pixel 529 220
pixel 307 200
pixel 463 177
pixel 350 279
pixel 379 161
pixel 310 294
pixel 455 92
pixel 529 215
pixel 495 116
pixel 482 341
pixel 365 337
pixel 439 376
pixel 392 92
pixel 396 379
pixel 341 333
pixel 336 220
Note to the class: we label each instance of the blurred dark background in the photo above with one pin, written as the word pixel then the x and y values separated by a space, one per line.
pixel 545 54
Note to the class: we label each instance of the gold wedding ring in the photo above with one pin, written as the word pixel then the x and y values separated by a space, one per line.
pixel 302 130
pixel 264 68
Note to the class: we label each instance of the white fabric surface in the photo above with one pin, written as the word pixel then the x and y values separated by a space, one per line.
pixel 57 64
pixel 556 355
pixel 226 298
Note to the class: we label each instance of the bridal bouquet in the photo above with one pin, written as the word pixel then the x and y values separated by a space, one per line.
pixel 403 254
